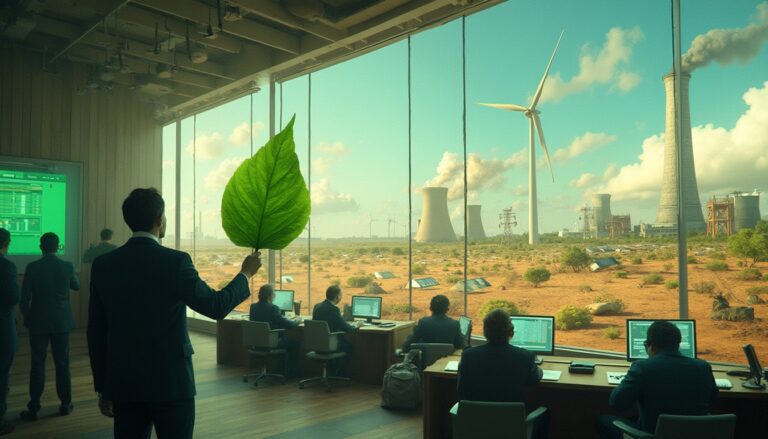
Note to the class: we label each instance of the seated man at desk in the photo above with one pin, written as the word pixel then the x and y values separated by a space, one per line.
pixel 438 328
pixel 265 311
pixel 665 383
pixel 329 312
pixel 497 371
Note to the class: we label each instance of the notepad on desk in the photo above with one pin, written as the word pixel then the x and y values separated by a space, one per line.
pixel 452 366
pixel 615 377
pixel 551 375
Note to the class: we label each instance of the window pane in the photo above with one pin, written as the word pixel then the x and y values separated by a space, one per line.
pixel 168 188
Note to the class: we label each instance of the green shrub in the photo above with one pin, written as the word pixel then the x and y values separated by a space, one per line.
pixel 668 267
pixel 704 287
pixel 756 291
pixel 622 274
pixel 359 281
pixel 419 269
pixel 336 281
pixel 537 276
pixel 576 259
pixel 452 279
pixel 692 260
pixel 403 308
pixel 652 279
pixel 750 274
pixel 718 256
pixel 671 284
pixel 506 305
pixel 572 317
pixel 717 266
pixel 304 259
pixel 584 288
pixel 739 264
pixel 637 260
pixel 612 333
pixel 652 256
pixel 397 251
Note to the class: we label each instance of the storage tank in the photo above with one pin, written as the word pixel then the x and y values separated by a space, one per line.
pixel 746 210
pixel 601 210
pixel 435 223
pixel 475 231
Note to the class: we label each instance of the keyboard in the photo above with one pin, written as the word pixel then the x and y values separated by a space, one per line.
pixel 615 377
pixel 723 383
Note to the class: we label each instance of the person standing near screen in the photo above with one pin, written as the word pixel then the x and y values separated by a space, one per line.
pixel 437 328
pixel 48 315
pixel 141 355
pixel 666 382
pixel 266 311
pixel 105 246
pixel 9 297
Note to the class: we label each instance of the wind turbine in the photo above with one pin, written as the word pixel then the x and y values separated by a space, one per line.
pixel 534 124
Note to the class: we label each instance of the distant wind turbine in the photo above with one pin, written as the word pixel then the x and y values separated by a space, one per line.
pixel 535 123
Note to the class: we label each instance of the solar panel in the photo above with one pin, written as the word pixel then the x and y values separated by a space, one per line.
pixel 425 282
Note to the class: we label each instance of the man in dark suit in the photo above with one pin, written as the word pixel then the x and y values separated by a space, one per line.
pixel 9 297
pixel 141 355
pixel 105 246
pixel 665 383
pixel 328 311
pixel 265 311
pixel 48 315
pixel 497 371
pixel 438 328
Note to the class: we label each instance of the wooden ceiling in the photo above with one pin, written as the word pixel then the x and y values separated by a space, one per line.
pixel 186 55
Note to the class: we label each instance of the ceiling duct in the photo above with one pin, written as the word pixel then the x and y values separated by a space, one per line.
pixel 232 13
pixel 198 54
pixel 310 10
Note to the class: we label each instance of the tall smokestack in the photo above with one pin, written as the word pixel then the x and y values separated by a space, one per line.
pixel 435 224
pixel 668 203
pixel 601 209
pixel 475 231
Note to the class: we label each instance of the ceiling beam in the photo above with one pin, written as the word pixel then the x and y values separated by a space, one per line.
pixel 113 6
pixel 275 12
pixel 245 29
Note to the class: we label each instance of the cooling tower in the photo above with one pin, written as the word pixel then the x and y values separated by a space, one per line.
pixel 435 224
pixel 667 214
pixel 601 210
pixel 746 210
pixel 475 231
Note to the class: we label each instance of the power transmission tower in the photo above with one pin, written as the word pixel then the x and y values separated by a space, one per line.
pixel 507 220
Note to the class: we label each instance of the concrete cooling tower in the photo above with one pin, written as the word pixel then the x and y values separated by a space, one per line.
pixel 435 223
pixel 475 231
pixel 601 210
pixel 692 213
pixel 746 210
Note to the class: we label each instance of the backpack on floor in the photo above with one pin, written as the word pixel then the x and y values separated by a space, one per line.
pixel 401 388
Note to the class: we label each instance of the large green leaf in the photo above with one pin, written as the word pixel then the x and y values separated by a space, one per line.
pixel 266 202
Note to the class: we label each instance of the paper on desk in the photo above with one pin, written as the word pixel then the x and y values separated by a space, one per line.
pixel 551 375
pixel 452 366
pixel 723 383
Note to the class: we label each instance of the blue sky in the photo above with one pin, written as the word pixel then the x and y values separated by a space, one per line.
pixel 602 113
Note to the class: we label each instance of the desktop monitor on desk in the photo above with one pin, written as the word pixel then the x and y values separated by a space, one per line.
pixel 465 326
pixel 284 300
pixel 368 308
pixel 534 333
pixel 637 331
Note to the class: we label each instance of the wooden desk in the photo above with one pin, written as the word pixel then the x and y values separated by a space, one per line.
pixel 575 401
pixel 374 348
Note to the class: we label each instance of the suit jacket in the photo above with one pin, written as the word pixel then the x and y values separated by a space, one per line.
pixel 263 311
pixel 45 295
pixel 137 320
pixel 330 313
pixel 667 383
pixel 97 250
pixel 496 373
pixel 9 297
pixel 436 329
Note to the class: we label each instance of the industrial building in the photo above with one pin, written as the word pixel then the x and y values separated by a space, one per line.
pixel 435 223
pixel 729 214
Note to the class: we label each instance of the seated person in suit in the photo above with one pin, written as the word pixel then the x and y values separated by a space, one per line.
pixel 328 311
pixel 665 383
pixel 438 328
pixel 265 311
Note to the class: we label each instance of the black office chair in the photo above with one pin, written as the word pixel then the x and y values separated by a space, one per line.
pixel 431 352
pixel 497 420
pixel 262 342
pixel 685 427
pixel 323 346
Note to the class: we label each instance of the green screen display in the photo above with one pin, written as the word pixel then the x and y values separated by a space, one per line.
pixel 637 331
pixel 32 203
pixel 534 333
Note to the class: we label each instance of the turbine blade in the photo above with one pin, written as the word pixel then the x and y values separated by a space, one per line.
pixel 546 72
pixel 508 107
pixel 537 124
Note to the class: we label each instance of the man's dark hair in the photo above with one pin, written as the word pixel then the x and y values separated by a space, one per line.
pixel 332 293
pixel 5 237
pixel 142 208
pixel 497 327
pixel 49 242
pixel 266 291
pixel 106 234
pixel 439 304
pixel 663 336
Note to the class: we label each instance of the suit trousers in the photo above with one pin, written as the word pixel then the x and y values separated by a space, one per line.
pixel 171 419
pixel 38 344
pixel 7 351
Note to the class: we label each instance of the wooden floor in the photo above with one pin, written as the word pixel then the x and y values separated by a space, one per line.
pixel 226 407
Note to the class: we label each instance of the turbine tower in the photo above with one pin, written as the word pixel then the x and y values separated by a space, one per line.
pixel 534 124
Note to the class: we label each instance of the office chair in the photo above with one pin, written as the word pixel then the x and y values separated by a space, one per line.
pixel 502 420
pixel 262 342
pixel 431 352
pixel 323 345
pixel 685 427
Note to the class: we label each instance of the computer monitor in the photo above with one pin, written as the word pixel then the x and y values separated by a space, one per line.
pixel 534 333
pixel 637 331
pixel 755 370
pixel 368 308
pixel 465 326
pixel 284 300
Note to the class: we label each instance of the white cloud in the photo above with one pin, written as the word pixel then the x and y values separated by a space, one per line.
pixel 583 181
pixel 332 148
pixel 218 178
pixel 580 145
pixel 607 67
pixel 329 153
pixel 481 173
pixel 325 200
pixel 610 171
pixel 207 147
pixel 726 159
pixel 520 190
pixel 241 134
